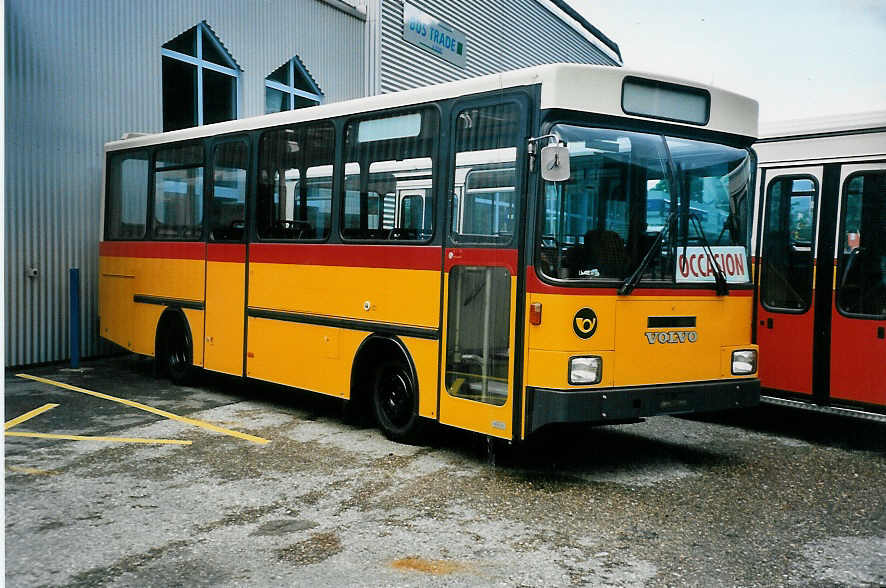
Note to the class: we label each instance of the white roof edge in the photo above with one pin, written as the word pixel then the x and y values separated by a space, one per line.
pixel 855 121
pixel 355 8
pixel 571 22
pixel 565 85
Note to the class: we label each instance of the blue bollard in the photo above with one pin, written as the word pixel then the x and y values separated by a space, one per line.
pixel 74 279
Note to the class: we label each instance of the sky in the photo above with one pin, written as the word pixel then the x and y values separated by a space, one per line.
pixel 798 59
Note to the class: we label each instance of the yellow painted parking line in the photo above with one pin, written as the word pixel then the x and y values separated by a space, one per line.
pixel 86 438
pixel 146 408
pixel 32 471
pixel 28 415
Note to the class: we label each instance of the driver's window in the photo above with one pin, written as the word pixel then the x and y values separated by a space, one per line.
pixel 294 198
pixel 386 157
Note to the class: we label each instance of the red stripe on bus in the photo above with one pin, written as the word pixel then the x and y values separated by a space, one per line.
pixel 153 249
pixel 482 257
pixel 536 286
pixel 419 257
pixel 231 252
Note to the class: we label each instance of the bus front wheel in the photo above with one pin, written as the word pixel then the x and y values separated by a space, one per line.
pixel 394 399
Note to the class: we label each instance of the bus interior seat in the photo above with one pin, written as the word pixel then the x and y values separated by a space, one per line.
pixel 605 250
pixel 227 219
pixel 402 234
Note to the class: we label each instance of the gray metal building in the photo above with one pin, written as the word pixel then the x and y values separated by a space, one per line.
pixel 80 73
pixel 501 35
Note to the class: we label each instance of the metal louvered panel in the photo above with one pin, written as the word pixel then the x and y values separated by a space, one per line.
pixel 502 35
pixel 79 74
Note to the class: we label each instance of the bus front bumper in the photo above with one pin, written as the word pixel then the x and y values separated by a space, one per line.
pixel 545 406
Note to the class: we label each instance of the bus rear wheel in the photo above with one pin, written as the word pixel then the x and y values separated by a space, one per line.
pixel 175 354
pixel 394 399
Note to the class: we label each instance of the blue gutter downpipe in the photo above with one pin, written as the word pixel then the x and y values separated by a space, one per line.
pixel 74 280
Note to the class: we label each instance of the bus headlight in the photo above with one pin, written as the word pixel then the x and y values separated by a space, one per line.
pixel 744 362
pixel 585 370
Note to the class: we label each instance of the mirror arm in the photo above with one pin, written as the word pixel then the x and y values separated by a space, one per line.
pixel 531 147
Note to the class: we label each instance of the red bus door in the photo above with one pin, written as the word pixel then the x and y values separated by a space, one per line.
pixel 785 313
pixel 858 324
pixel 226 258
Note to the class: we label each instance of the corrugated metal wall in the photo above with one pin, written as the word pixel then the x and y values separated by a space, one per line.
pixel 81 73
pixel 501 35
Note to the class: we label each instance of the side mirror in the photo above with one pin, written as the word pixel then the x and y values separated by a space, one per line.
pixel 555 163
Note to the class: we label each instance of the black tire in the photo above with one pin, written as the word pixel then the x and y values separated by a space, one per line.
pixel 176 357
pixel 394 400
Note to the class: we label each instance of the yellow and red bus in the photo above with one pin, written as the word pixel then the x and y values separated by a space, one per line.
pixel 560 244
pixel 821 315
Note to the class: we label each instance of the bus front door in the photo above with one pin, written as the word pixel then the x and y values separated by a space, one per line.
pixel 785 313
pixel 480 261
pixel 226 258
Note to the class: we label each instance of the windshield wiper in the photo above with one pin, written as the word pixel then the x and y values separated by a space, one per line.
pixel 719 276
pixel 631 282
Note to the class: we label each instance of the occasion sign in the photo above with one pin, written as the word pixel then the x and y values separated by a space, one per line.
pixel 695 265
pixel 422 29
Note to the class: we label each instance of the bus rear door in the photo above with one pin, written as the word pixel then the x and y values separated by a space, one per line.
pixel 226 258
pixel 858 323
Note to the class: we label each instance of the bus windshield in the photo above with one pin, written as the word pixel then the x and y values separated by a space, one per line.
pixel 625 188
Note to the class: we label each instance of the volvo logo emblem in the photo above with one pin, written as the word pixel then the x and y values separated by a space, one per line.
pixel 585 323
pixel 671 337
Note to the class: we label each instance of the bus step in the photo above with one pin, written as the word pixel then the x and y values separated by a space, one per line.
pixel 846 412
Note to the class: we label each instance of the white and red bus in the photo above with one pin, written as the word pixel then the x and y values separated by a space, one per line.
pixel 821 309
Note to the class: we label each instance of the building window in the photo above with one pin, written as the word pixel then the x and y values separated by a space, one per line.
pixel 200 80
pixel 291 86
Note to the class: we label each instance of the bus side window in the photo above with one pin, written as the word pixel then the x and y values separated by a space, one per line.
pixel 413 214
pixel 126 208
pixel 385 156
pixel 786 279
pixel 294 200
pixel 178 193
pixel 861 286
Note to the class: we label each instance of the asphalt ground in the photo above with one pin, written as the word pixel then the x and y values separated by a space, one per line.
pixel 262 486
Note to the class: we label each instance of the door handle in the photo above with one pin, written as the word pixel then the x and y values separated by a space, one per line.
pixel 881 332
pixel 769 323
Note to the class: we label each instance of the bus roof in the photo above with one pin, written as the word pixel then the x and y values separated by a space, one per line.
pixel 823 139
pixel 585 88
pixel 874 120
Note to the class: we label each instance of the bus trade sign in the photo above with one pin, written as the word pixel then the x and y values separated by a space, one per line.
pixel 425 31
pixel 694 265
